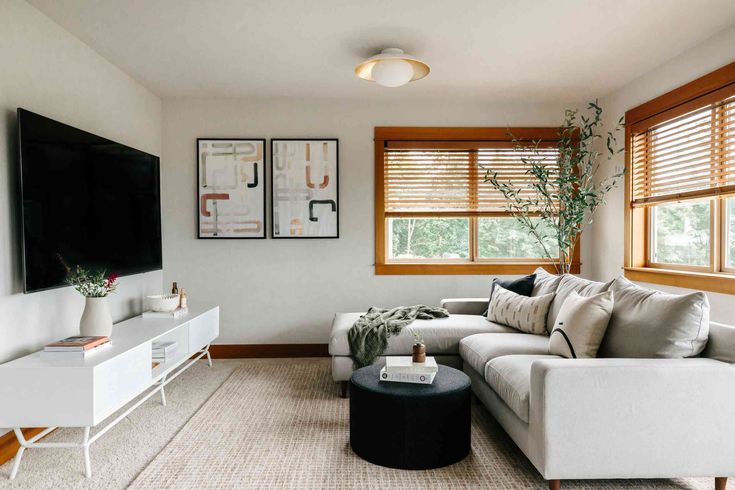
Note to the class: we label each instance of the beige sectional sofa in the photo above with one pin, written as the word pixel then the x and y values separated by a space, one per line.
pixel 585 418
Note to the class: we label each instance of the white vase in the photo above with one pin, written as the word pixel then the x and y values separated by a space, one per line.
pixel 96 319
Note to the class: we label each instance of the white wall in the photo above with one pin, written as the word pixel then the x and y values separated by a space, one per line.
pixel 47 70
pixel 606 235
pixel 286 291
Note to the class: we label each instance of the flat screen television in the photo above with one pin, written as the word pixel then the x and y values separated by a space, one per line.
pixel 87 199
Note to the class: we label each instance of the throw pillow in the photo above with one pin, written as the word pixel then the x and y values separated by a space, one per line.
pixel 580 325
pixel 522 286
pixel 648 324
pixel 545 283
pixel 527 314
pixel 567 285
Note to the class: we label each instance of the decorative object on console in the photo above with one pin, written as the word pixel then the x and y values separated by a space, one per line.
pixel 522 286
pixel 305 188
pixel 392 68
pixel 231 182
pixel 581 325
pixel 527 314
pixel 174 288
pixel 94 286
pixel 559 199
pixel 183 300
pixel 164 302
pixel 178 312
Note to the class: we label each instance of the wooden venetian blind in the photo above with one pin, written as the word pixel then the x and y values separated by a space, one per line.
pixel 452 181
pixel 688 156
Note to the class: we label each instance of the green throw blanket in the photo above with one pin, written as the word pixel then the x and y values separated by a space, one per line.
pixel 368 337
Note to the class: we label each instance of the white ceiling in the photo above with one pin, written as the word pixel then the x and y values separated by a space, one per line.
pixel 499 50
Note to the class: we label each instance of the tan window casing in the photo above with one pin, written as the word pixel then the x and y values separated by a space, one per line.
pixel 484 144
pixel 666 163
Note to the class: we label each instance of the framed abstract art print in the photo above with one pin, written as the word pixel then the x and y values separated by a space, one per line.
pixel 305 188
pixel 231 183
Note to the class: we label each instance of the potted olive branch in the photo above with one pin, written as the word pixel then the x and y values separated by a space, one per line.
pixel 558 201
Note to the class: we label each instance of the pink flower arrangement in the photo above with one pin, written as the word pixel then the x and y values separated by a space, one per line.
pixel 91 284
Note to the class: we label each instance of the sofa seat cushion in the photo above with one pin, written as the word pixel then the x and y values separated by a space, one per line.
pixel 510 378
pixel 441 335
pixel 476 350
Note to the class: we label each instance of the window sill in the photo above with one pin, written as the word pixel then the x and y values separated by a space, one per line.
pixel 474 268
pixel 704 281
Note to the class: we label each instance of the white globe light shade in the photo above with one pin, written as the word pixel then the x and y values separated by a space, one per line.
pixel 392 73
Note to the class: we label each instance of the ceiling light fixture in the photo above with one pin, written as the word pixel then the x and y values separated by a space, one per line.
pixel 392 68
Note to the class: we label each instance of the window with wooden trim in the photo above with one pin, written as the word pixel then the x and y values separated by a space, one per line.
pixel 680 188
pixel 435 214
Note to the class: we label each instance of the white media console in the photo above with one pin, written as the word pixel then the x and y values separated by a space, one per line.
pixel 84 392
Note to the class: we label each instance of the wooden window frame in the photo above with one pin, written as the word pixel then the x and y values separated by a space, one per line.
pixel 637 265
pixel 461 136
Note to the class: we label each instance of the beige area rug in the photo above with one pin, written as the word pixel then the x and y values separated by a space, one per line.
pixel 280 424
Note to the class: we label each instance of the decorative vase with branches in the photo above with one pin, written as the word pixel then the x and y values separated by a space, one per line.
pixel 559 198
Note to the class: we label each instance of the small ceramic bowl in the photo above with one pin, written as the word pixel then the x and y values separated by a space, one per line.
pixel 163 302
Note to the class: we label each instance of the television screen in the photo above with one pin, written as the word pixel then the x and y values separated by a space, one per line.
pixel 86 199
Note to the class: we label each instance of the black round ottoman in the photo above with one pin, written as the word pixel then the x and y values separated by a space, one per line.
pixel 410 426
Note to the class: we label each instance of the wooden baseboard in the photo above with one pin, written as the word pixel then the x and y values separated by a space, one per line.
pixel 239 351
pixel 9 444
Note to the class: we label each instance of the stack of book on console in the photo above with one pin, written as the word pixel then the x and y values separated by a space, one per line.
pixel 75 347
pixel 164 351
pixel 402 369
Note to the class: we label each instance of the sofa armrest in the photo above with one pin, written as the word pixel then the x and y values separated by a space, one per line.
pixel 465 306
pixel 626 418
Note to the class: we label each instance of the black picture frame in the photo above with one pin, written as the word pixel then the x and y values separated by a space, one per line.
pixel 262 180
pixel 273 191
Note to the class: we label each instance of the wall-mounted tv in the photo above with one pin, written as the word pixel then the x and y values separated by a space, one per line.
pixel 85 198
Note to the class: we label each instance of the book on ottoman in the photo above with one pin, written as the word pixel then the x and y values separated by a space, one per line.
pixel 402 369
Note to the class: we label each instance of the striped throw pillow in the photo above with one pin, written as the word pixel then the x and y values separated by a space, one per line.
pixel 527 314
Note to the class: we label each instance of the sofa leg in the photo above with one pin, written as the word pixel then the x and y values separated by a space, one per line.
pixel 554 484
pixel 343 389
pixel 720 483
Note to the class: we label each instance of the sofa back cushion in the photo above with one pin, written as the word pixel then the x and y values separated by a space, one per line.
pixel 544 283
pixel 569 284
pixel 527 314
pixel 581 325
pixel 652 324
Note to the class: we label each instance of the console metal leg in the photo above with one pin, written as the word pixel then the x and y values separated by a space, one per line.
pixel 25 444
pixel 163 392
pixel 87 461
pixel 209 357
pixel 16 462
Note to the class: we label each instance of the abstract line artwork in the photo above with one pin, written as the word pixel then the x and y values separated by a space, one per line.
pixel 231 175
pixel 305 190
